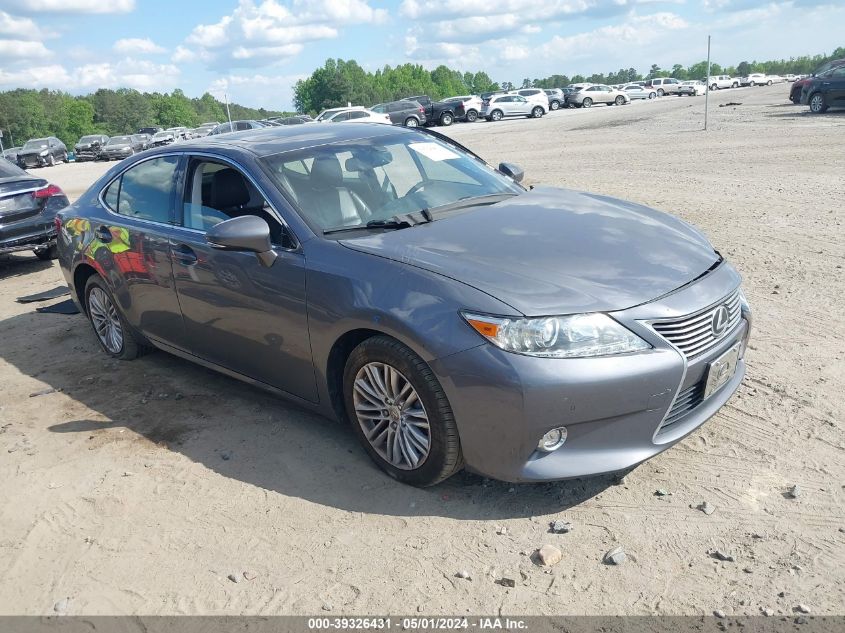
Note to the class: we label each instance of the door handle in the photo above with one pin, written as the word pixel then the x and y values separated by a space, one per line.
pixel 184 254
pixel 103 234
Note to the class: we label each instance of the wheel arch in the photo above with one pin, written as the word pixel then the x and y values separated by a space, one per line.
pixel 81 274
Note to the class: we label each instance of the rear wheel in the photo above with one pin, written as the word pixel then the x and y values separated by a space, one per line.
pixel 769 83
pixel 660 92
pixel 554 105
pixel 411 122
pixel 587 102
pixel 472 116
pixel 714 87
pixel 446 119
pixel 537 112
pixel 652 95
pixel 817 104
pixel 496 115
pixel 735 85
pixel 110 327
pixel 620 100
pixel 400 413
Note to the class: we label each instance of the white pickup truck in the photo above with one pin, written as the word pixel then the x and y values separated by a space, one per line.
pixel 720 82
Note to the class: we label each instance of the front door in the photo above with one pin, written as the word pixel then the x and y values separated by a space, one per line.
pixel 237 313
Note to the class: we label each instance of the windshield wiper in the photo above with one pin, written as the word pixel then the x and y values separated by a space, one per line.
pixel 472 201
pixel 396 222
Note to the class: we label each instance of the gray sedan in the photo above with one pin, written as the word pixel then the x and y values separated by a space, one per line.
pixel 635 91
pixel 392 279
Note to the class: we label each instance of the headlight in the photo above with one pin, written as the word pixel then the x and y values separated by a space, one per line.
pixel 576 336
pixel 44 152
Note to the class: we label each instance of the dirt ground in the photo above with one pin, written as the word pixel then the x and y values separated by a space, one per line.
pixel 118 496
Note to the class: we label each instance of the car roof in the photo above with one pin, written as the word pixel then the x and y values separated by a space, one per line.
pixel 274 140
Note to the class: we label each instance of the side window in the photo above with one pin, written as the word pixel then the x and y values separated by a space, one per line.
pixel 216 192
pixel 338 118
pixel 145 191
pixel 358 115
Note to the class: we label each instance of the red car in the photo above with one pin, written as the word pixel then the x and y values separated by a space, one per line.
pixel 795 90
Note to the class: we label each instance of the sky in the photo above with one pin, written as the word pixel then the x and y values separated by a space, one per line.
pixel 255 50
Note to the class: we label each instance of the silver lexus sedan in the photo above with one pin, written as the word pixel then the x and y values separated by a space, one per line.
pixel 392 279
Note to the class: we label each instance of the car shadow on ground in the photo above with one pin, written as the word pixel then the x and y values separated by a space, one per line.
pixel 244 433
pixel 20 264
pixel 805 113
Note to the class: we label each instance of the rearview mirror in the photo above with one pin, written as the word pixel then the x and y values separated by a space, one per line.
pixel 513 171
pixel 247 233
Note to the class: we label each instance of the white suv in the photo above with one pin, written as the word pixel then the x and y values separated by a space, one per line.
pixel 664 85
pixel 534 95
pixel 720 82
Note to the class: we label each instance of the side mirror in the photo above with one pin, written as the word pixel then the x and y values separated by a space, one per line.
pixel 513 171
pixel 247 233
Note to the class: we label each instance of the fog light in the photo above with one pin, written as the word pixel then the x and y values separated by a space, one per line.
pixel 552 440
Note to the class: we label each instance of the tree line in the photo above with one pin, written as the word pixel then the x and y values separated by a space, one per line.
pixel 339 82
pixel 26 114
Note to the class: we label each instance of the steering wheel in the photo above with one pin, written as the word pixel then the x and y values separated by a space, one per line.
pixel 420 185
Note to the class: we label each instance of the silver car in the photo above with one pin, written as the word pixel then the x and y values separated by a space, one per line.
pixel 599 93
pixel 635 91
pixel 391 279
pixel 497 107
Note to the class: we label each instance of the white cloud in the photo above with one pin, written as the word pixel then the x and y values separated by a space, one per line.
pixel 274 92
pixel 271 32
pixel 19 28
pixel 132 45
pixel 69 6
pixel 20 49
pixel 125 73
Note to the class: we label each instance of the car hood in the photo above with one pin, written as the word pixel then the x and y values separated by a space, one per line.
pixel 31 152
pixel 554 251
pixel 121 146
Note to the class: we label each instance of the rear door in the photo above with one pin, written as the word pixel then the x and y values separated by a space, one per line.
pixel 834 85
pixel 239 314
pixel 130 242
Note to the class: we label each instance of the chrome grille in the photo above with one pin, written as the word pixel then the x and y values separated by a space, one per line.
pixel 693 333
pixel 686 401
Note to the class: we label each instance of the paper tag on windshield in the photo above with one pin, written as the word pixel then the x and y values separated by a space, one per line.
pixel 433 151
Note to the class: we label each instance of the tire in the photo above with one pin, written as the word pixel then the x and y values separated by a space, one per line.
pixel 496 115
pixel 587 103
pixel 714 87
pixel 661 92
pixel 769 83
pixel 620 100
pixel 472 116
pixel 537 112
pixel 412 122
pixel 400 369
pixel 652 95
pixel 124 346
pixel 817 103
pixel 51 160
pixel 47 254
pixel 751 84
pixel 446 119
pixel 555 105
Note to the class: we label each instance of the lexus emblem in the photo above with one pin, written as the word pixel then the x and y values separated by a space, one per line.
pixel 720 321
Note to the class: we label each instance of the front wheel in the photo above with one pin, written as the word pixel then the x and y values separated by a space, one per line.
pixel 537 112
pixel 769 83
pixel 446 119
pixel 817 104
pixel 496 115
pixel 660 92
pixel 714 87
pixel 412 122
pixel 735 85
pixel 554 105
pixel 652 95
pixel 587 103
pixel 620 100
pixel 110 327
pixel 472 116
pixel 400 413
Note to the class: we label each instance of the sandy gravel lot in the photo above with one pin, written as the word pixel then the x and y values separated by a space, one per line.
pixel 116 497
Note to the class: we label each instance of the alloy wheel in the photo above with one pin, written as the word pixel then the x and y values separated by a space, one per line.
pixel 587 103
pixel 496 116
pixel 391 415
pixel 816 103
pixel 106 320
pixel 412 122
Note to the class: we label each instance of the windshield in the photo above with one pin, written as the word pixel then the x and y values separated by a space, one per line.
pixel 38 143
pixel 89 139
pixel 371 180
pixel 119 140
pixel 163 135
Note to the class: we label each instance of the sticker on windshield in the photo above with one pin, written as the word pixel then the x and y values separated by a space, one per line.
pixel 433 151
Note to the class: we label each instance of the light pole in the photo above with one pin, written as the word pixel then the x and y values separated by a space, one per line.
pixel 707 87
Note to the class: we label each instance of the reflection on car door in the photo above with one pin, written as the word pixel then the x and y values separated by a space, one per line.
pixel 237 313
pixel 836 87
pixel 131 245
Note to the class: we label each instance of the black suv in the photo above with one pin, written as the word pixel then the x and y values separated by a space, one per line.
pixel 825 90
pixel 403 112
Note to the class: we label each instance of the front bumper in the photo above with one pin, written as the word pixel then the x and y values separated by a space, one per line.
pixel 30 161
pixel 612 407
